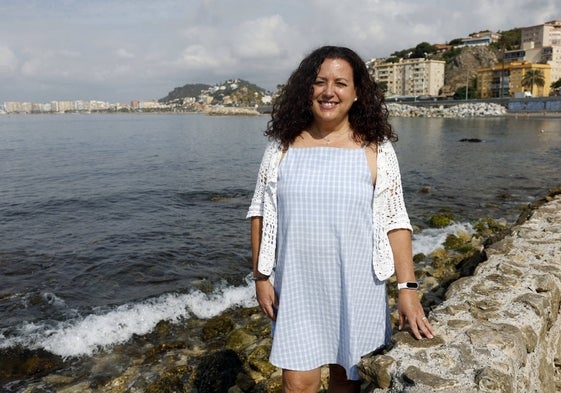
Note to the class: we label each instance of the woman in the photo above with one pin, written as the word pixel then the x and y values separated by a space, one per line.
pixel 328 215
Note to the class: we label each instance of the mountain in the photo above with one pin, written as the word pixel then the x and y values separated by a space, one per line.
pixel 233 92
pixel 189 90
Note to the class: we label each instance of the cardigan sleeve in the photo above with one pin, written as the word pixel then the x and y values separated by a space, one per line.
pixel 256 208
pixel 395 212
pixel 389 210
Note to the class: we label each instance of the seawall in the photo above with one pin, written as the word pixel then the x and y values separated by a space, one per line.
pixel 498 330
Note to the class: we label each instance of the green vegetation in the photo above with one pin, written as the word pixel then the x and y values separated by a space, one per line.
pixel 533 77
pixel 509 39
pixel 451 54
pixel 460 93
pixel 440 220
pixel 422 50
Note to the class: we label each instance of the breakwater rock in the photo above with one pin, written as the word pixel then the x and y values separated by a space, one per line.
pixel 459 111
pixel 497 331
pixel 231 111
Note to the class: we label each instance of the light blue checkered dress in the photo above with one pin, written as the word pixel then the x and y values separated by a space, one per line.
pixel 332 308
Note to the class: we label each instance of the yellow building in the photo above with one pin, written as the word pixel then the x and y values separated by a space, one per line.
pixel 505 80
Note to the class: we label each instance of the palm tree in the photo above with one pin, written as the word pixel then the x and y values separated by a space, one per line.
pixel 533 77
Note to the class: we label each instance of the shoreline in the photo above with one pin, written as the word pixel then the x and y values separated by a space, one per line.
pixel 195 352
pixel 498 328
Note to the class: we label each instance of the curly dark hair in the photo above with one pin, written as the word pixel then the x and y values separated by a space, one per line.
pixel 292 112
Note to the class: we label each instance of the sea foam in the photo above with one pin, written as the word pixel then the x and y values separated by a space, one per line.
pixel 80 336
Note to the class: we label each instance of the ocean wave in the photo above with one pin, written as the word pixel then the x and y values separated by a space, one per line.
pixel 95 332
pixel 431 239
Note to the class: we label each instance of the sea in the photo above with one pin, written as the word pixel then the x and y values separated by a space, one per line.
pixel 111 223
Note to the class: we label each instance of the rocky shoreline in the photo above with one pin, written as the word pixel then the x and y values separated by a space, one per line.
pixel 498 330
pixel 229 353
pixel 457 111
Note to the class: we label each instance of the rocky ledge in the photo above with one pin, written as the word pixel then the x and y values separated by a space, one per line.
pixel 461 110
pixel 497 331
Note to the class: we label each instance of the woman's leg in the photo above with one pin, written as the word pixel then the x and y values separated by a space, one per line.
pixel 301 381
pixel 338 382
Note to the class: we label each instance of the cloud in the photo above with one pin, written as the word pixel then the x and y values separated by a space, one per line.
pixel 124 54
pixel 8 61
pixel 141 48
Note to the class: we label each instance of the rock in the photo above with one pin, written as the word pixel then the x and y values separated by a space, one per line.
pixel 460 110
pixel 440 220
pixel 240 339
pixel 416 377
pixel 217 372
pixel 220 325
pixel 377 369
pixel 493 381
pixel 20 363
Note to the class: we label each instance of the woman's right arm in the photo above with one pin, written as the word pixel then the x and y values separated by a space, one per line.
pixel 264 289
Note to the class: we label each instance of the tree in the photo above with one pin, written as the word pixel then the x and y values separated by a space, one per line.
pixel 556 84
pixel 509 39
pixel 460 93
pixel 533 77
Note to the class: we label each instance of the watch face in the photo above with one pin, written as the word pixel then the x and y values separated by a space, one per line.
pixel 412 285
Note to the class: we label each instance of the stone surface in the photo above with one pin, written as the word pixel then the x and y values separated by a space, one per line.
pixel 461 110
pixel 498 330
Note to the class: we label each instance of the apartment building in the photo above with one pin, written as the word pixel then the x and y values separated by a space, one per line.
pixel 505 80
pixel 540 44
pixel 409 77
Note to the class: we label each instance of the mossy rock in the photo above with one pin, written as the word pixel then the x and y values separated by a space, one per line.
pixel 453 242
pixel 420 257
pixel 240 339
pixel 217 326
pixel 440 220
pixel 20 363
pixel 170 384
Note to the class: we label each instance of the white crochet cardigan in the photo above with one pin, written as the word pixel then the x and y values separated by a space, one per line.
pixel 388 208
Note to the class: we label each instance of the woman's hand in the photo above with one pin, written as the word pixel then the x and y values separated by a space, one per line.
pixel 411 311
pixel 266 297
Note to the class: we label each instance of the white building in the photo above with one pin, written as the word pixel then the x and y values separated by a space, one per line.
pixel 410 77
pixel 540 44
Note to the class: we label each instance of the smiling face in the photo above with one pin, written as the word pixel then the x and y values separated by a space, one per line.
pixel 333 94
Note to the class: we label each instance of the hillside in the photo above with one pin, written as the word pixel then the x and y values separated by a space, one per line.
pixel 233 92
pixel 188 90
pixel 465 64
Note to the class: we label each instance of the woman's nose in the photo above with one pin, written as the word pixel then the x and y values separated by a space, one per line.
pixel 328 90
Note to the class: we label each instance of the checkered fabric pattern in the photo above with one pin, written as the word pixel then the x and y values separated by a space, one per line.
pixel 332 307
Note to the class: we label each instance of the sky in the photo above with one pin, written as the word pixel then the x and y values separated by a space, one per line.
pixel 121 50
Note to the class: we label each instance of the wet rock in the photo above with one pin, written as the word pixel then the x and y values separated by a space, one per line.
pixel 166 385
pixel 440 220
pixel 19 363
pixel 217 372
pixel 240 339
pixel 217 326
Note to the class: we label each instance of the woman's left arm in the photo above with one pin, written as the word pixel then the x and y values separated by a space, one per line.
pixel 409 306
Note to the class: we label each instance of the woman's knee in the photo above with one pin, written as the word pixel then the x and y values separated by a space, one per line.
pixel 301 381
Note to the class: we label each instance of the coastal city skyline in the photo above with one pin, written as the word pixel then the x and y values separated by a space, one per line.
pixel 123 51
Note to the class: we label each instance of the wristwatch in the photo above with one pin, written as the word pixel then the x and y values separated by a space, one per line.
pixel 408 285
